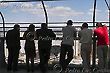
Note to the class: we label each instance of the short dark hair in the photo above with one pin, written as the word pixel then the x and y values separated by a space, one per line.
pixel 99 24
pixel 44 26
pixel 16 26
pixel 31 27
pixel 85 25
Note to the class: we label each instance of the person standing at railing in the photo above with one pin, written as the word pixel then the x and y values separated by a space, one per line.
pixel 85 36
pixel 13 45
pixel 69 34
pixel 45 37
pixel 102 44
pixel 29 36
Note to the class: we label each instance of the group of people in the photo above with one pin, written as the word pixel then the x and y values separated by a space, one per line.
pixel 45 37
pixel 86 35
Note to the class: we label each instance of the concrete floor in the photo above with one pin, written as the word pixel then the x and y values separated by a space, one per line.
pixel 50 71
pixel 73 69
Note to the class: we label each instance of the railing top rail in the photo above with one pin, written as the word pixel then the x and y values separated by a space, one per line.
pixel 52 22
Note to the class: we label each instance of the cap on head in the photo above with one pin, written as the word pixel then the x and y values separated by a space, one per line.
pixel 69 22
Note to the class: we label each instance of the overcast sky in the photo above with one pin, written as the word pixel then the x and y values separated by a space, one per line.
pixel 58 11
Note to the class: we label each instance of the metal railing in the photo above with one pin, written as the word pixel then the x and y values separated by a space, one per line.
pixel 56 27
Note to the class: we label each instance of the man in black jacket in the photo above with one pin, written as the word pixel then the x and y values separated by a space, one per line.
pixel 13 45
pixel 44 36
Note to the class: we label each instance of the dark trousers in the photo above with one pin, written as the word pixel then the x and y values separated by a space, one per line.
pixel 66 50
pixel 13 58
pixel 44 54
pixel 32 63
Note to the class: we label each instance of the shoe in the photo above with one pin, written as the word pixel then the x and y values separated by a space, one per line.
pixel 43 71
pixel 63 71
pixel 32 70
pixel 87 71
pixel 9 69
pixel 14 70
pixel 28 70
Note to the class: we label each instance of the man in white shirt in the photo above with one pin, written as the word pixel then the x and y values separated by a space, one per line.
pixel 69 34
pixel 85 36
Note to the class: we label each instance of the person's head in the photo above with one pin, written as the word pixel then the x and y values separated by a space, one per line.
pixel 44 26
pixel 98 24
pixel 84 25
pixel 17 27
pixel 31 27
pixel 69 22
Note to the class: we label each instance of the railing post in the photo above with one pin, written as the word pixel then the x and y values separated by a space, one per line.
pixel 2 55
pixel 108 5
pixel 94 53
pixel 2 40
pixel 94 39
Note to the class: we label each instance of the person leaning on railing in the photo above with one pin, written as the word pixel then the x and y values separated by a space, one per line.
pixel 69 34
pixel 102 44
pixel 85 36
pixel 45 37
pixel 29 36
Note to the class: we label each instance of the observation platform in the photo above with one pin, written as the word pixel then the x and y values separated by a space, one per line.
pixel 53 71
pixel 75 66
